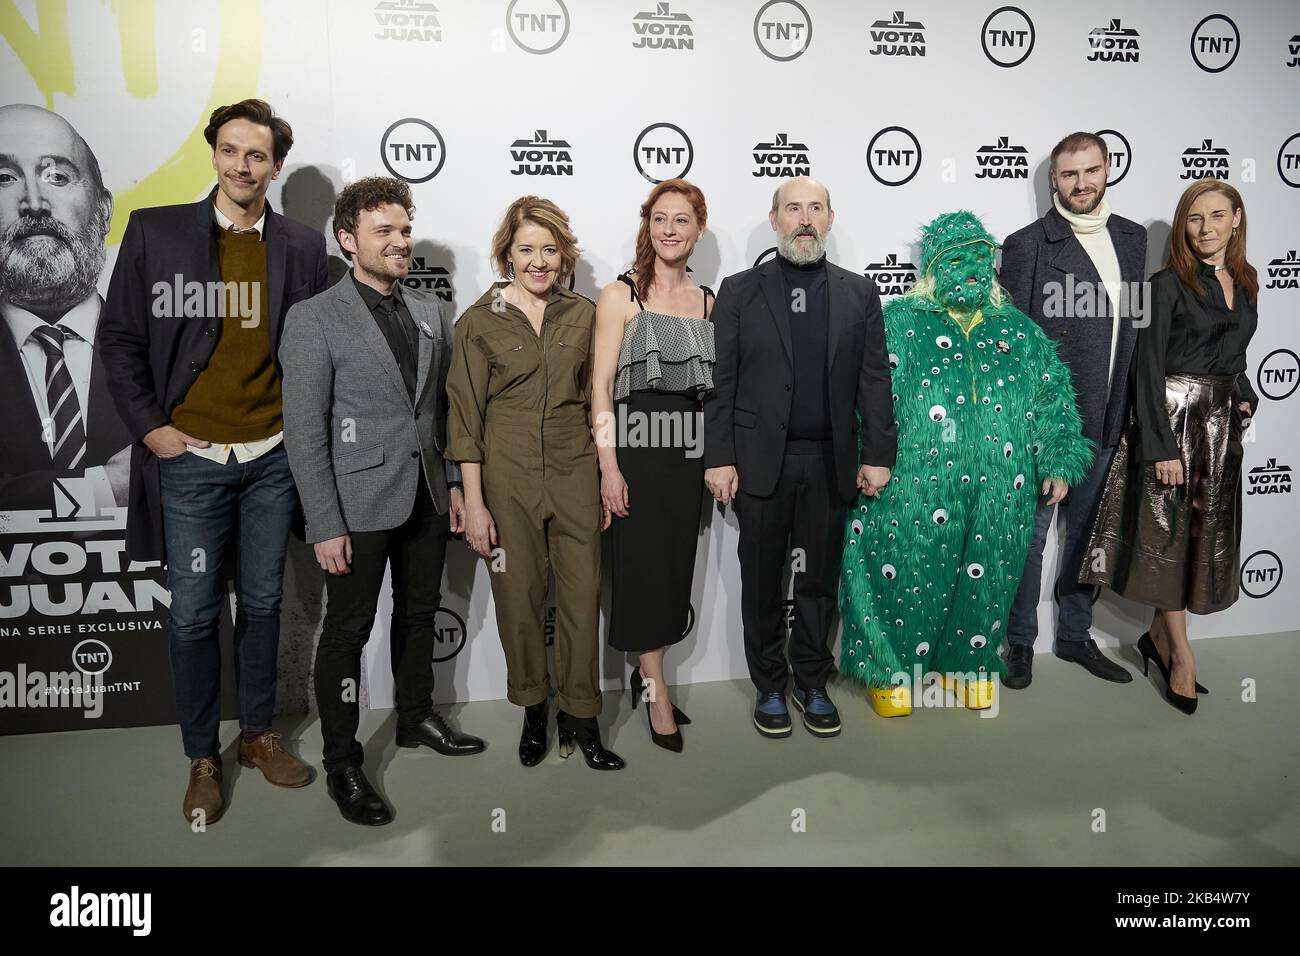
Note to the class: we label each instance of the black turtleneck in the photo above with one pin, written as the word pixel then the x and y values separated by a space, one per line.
pixel 810 405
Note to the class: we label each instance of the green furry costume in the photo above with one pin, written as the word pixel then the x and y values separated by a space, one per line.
pixel 985 411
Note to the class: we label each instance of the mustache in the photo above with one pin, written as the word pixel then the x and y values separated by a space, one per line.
pixel 27 227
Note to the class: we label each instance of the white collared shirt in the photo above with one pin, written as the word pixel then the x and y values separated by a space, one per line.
pixel 78 351
pixel 244 450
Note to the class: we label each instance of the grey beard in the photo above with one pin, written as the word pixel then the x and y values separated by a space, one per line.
pixel 45 273
pixel 800 255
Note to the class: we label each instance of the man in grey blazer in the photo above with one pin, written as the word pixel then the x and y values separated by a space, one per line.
pixel 1078 273
pixel 365 424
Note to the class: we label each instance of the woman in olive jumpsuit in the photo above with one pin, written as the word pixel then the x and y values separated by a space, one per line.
pixel 519 422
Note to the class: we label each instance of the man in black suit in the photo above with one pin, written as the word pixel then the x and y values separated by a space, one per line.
pixel 190 334
pixel 59 422
pixel 800 348
pixel 1078 273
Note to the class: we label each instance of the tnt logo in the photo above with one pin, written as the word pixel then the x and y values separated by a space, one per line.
pixel 1120 153
pixel 898 37
pixel 541 156
pixel 782 158
pixel 1113 44
pixel 92 657
pixel 663 151
pixel 1293 50
pixel 1261 573
pixel 891 276
pixel 413 149
pixel 1215 43
pixel 408 20
pixel 1002 160
pixel 1269 479
pixel 448 635
pixel 1284 273
pixel 1207 162
pixel 432 280
pixel 1007 36
pixel 894 156
pixel 1279 374
pixel 1288 161
pixel 662 30
pixel 782 29
pixel 538 26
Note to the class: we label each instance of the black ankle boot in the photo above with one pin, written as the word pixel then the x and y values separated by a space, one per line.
pixel 584 732
pixel 532 742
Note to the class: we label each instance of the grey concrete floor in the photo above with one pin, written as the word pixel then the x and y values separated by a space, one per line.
pixel 1033 785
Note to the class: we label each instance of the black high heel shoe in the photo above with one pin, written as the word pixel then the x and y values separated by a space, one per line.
pixel 638 685
pixel 1147 648
pixel 584 733
pixel 532 742
pixel 671 741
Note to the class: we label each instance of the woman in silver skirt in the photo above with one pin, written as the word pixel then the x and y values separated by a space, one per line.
pixel 1168 526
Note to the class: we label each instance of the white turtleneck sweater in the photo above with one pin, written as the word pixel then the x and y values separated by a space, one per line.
pixel 1090 230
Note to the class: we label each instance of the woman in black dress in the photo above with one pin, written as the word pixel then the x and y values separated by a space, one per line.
pixel 653 362
pixel 1168 528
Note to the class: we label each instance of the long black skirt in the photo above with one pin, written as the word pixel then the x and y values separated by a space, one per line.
pixel 661 440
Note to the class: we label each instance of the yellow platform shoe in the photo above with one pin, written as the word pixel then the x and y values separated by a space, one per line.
pixel 976 695
pixel 891 701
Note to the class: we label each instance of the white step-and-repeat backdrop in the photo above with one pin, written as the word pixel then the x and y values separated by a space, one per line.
pixel 903 113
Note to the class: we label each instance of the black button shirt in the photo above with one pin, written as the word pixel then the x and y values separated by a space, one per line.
pixel 394 320
pixel 1190 335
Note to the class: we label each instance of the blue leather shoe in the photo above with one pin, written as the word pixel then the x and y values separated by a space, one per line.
pixel 819 714
pixel 770 715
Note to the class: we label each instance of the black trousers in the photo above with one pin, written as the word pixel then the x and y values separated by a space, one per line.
pixel 802 521
pixel 416 549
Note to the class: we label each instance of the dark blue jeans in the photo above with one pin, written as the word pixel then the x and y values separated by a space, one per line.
pixel 204 505
pixel 1074 614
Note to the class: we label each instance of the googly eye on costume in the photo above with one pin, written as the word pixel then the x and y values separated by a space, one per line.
pixel 943 342
pixel 975 570
pixel 1007 449
pixel 938 413
pixel 965 479
pixel 922 649
pixel 1019 482
pixel 979 640
pixel 857 526
pixel 940 516
pixel 889 573
pixel 893 360
pixel 961 399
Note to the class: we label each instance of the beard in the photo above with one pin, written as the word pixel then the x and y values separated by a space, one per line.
pixel 802 255
pixel 1090 203
pixel 46 266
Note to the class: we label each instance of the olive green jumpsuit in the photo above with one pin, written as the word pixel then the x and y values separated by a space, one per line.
pixel 520 405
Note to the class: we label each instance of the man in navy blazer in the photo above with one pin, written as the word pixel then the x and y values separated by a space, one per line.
pixel 190 335
pixel 1078 273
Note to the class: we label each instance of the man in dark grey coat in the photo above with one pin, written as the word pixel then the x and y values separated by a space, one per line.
pixel 1078 273
pixel 365 424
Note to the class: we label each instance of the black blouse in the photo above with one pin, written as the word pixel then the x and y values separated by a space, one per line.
pixel 1192 336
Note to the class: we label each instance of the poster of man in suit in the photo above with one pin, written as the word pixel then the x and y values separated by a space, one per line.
pixel 65 579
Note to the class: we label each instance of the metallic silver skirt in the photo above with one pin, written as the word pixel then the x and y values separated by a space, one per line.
pixel 1175 547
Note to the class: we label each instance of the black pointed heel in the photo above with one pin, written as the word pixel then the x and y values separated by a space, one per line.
pixel 637 685
pixel 1147 648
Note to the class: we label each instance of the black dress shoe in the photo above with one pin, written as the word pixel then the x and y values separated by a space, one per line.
pixel 357 800
pixel 435 732
pixel 584 734
pixel 1089 655
pixel 532 742
pixel 1020 666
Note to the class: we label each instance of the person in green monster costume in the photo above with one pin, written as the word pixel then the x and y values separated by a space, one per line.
pixel 986 419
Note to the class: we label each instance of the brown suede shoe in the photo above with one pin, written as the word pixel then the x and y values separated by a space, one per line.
pixel 278 765
pixel 204 792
